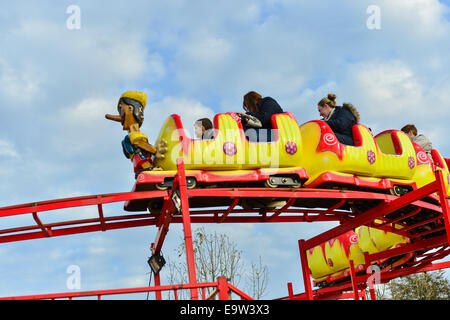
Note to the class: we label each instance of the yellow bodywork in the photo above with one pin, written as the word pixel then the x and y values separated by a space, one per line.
pixel 374 240
pixel 333 257
pixel 374 158
pixel 392 165
pixel 366 160
pixel 230 149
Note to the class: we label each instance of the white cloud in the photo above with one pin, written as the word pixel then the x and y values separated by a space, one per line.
pixel 423 18
pixel 60 62
pixel 7 149
pixel 88 112
pixel 156 67
pixel 19 84
pixel 209 51
pixel 388 86
pixel 190 110
pixel 391 93
pixel 121 56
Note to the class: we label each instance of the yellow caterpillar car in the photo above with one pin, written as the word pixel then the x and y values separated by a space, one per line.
pixel 230 156
pixel 329 262
pixel 388 161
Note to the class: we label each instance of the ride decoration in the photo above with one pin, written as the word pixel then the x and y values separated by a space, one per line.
pixel 135 145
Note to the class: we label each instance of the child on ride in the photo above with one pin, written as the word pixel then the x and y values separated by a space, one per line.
pixel 203 129
pixel 420 139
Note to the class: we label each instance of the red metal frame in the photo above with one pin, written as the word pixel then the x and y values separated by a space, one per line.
pixel 222 287
pixel 425 262
pixel 290 212
pixel 187 228
pixel 228 215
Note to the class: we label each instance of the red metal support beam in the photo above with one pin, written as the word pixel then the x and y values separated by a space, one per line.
pixel 100 293
pixel 290 291
pixel 240 293
pixel 402 217
pixel 181 178
pixel 411 270
pixel 222 286
pixel 440 254
pixel 229 210
pixel 289 203
pixel 100 215
pixel 353 280
pixel 305 269
pixel 158 295
pixel 75 229
pixel 78 202
pixel 47 232
pixel 444 201
pixel 164 220
pixel 336 206
pixel 404 249
pixel 167 207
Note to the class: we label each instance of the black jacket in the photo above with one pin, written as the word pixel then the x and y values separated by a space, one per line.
pixel 341 122
pixel 267 107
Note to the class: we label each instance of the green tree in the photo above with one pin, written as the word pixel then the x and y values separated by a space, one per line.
pixel 421 286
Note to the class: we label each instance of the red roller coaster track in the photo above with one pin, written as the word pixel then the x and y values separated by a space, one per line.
pixel 350 208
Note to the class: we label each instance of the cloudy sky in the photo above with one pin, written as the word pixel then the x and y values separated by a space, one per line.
pixel 194 58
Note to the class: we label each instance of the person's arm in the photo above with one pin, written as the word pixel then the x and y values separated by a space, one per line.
pixel 253 122
pixel 261 116
pixel 267 108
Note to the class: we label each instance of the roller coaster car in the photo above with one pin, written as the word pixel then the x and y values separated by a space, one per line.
pixel 329 262
pixel 229 159
pixel 388 162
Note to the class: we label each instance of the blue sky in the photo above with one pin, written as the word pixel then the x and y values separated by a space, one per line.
pixel 193 58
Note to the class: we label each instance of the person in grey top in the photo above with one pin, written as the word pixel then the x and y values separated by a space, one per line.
pixel 420 139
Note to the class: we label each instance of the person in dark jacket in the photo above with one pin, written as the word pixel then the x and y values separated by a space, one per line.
pixel 340 119
pixel 259 113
